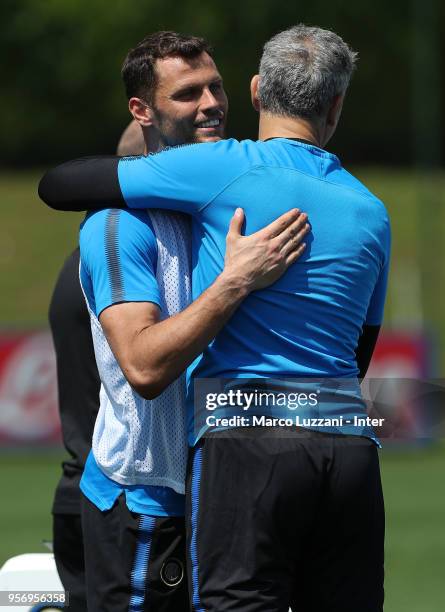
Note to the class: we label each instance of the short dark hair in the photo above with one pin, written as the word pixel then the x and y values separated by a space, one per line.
pixel 138 70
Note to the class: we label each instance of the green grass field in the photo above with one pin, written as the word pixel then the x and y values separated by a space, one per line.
pixel 415 507
pixel 34 242
pixel 28 481
pixel 415 532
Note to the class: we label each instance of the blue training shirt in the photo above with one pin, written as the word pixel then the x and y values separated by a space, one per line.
pixel 129 236
pixel 308 323
pixel 150 500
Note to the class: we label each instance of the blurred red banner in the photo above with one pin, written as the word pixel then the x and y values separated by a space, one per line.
pixel 28 382
pixel 28 390
pixel 401 355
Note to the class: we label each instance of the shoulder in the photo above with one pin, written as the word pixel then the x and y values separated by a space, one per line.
pixel 115 228
pixel 116 219
pixel 198 152
pixel 365 198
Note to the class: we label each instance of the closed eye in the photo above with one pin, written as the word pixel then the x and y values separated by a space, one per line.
pixel 191 93
pixel 187 94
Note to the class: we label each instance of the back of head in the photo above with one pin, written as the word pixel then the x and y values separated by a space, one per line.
pixel 302 70
pixel 131 141
pixel 138 70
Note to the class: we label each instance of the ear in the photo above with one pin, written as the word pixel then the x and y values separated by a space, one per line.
pixel 142 113
pixel 254 83
pixel 334 111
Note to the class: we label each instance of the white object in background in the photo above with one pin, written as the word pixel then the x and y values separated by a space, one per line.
pixel 31 572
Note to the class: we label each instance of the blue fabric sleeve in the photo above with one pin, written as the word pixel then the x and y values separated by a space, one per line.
pixel 374 315
pixel 118 256
pixel 183 178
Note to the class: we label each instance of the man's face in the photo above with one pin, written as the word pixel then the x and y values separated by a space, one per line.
pixel 190 104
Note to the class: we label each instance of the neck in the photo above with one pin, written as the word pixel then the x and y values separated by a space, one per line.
pixel 273 126
pixel 153 143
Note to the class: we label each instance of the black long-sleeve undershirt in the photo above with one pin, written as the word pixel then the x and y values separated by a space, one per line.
pixel 88 183
pixel 365 348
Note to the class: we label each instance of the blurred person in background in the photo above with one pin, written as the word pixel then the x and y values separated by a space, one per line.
pixel 78 388
pixel 135 266
pixel 270 515
pixel 78 385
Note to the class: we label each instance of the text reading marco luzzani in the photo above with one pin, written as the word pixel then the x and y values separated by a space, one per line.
pixel 251 400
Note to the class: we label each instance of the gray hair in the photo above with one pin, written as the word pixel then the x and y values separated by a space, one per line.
pixel 301 71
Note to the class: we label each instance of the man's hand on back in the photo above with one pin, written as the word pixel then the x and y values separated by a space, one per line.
pixel 258 260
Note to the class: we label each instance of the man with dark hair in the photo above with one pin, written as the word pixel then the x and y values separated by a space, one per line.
pixel 154 97
pixel 78 385
pixel 135 272
pixel 139 68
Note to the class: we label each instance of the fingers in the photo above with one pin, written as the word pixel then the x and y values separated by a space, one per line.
pixel 294 255
pixel 294 239
pixel 236 223
pixel 291 231
pixel 282 223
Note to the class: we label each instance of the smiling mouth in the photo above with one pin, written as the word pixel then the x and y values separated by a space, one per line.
pixel 211 123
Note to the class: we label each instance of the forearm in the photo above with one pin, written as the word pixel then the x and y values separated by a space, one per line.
pixel 163 351
pixel 152 353
pixel 87 183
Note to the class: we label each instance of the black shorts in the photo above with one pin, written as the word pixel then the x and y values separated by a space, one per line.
pixel 68 554
pixel 284 518
pixel 133 562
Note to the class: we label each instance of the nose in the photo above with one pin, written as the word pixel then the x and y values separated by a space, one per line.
pixel 209 101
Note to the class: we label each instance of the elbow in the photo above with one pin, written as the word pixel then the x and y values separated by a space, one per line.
pixel 149 391
pixel 148 385
pixel 48 190
pixel 60 188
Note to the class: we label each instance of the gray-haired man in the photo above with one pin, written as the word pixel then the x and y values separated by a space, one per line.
pixel 275 518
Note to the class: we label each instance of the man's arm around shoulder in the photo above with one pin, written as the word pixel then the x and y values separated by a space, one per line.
pixel 153 353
